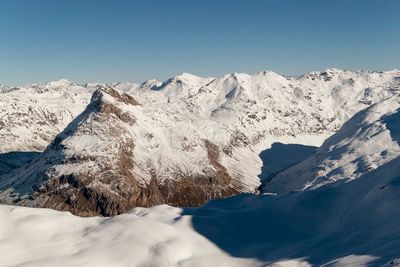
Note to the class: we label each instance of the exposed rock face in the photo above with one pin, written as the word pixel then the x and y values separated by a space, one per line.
pixel 89 168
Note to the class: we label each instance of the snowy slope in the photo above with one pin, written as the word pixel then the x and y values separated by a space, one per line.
pixel 266 108
pixel 42 237
pixel 352 224
pixel 239 111
pixel 30 117
pixel 364 143
pixel 267 104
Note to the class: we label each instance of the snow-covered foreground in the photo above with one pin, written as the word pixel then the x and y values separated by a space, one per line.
pixel 351 224
pixel 158 236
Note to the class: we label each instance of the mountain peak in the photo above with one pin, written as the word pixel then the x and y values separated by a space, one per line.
pixel 270 74
pixel 151 84
pixel 187 75
pixel 187 78
pixel 116 94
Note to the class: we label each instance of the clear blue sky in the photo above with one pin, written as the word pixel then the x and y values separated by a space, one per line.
pixel 99 40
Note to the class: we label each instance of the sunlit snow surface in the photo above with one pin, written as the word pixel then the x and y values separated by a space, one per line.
pixel 355 224
pixel 367 141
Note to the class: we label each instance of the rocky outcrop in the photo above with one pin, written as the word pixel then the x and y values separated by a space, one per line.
pixel 89 168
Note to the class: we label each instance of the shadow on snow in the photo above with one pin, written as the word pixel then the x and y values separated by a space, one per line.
pixel 13 160
pixel 359 217
pixel 280 157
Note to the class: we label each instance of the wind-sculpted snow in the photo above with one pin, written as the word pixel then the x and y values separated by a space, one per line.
pixel 142 237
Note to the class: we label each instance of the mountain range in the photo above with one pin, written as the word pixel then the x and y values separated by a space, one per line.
pixel 102 149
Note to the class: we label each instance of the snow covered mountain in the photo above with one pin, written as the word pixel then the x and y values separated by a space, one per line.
pixel 347 218
pixel 107 161
pixel 180 135
pixel 367 141
pixel 258 105
pixel 30 117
